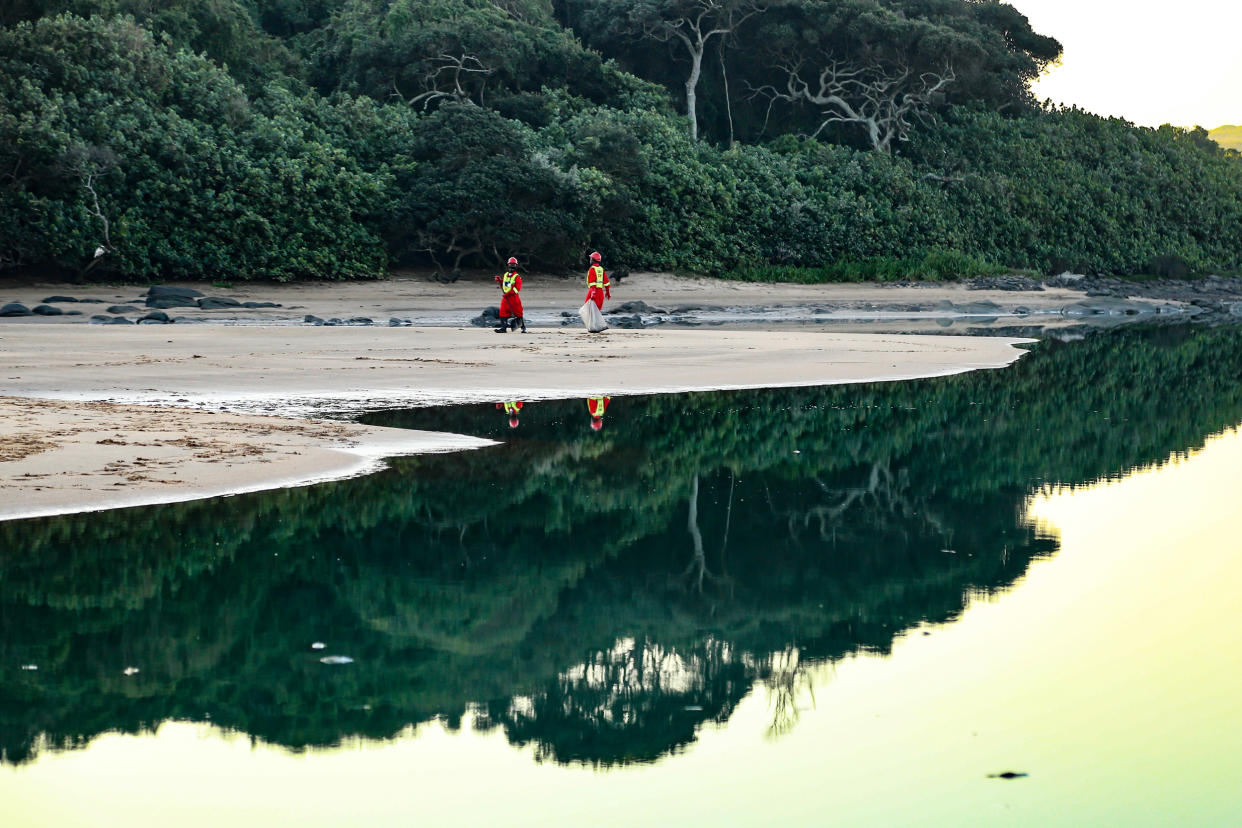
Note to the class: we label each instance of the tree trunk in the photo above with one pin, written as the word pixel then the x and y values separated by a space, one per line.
pixel 724 73
pixel 692 85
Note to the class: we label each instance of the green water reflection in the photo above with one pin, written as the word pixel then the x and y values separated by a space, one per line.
pixel 597 594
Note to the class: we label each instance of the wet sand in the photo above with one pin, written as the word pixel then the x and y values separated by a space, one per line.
pixel 99 416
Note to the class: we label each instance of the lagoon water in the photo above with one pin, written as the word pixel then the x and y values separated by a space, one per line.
pixel 858 605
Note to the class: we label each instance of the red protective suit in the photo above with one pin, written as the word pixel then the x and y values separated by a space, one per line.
pixel 598 286
pixel 510 301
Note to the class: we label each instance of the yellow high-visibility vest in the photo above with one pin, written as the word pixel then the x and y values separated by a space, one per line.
pixel 506 284
pixel 595 277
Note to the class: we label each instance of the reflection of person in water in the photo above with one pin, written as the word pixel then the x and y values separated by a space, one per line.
pixel 512 408
pixel 596 406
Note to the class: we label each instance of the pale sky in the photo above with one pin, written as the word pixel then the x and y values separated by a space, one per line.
pixel 1176 62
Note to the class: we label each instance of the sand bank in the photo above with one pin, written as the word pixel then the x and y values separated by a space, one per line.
pixel 78 430
pixel 61 457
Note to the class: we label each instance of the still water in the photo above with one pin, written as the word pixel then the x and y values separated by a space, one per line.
pixel 843 606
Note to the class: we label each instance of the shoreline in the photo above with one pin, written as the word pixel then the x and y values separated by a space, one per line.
pixel 121 456
pixel 97 417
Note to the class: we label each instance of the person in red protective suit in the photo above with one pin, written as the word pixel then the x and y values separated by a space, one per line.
pixel 510 301
pixel 598 286
pixel 596 406
pixel 512 408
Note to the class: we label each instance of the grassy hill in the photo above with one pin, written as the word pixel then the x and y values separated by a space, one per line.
pixel 1228 136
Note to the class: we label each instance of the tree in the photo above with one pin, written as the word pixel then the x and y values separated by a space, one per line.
pixel 885 101
pixel 692 23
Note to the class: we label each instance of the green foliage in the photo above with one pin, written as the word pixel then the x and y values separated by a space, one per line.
pixel 934 267
pixel 186 139
pixel 1065 189
pixel 193 180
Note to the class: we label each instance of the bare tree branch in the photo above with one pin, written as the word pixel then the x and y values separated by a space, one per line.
pixel 445 80
pixel 884 100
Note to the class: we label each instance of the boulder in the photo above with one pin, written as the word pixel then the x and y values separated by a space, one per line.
pixel 634 321
pixel 488 318
pixel 51 299
pixel 122 309
pixel 218 302
pixel 15 309
pixel 310 318
pixel 165 290
pixel 93 301
pixel 156 316
pixel 634 307
pixel 48 310
pixel 171 302
pixel 360 320
pixel 261 305
pixel 104 319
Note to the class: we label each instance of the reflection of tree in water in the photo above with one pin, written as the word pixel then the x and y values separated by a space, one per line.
pixel 790 686
pixel 729 541
pixel 633 702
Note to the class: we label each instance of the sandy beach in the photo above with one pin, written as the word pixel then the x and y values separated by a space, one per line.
pixel 99 416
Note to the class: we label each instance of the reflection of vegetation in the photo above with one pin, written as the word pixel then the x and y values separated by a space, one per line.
pixel 599 594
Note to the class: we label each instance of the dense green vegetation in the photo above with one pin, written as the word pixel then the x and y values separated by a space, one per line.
pixel 483 577
pixel 233 139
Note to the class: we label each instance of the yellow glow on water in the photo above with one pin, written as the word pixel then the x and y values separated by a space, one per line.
pixel 1112 674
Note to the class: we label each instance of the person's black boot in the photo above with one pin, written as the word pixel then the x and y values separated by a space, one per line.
pixel 504 326
pixel 522 319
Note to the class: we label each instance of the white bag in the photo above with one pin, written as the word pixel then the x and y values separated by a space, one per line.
pixel 592 318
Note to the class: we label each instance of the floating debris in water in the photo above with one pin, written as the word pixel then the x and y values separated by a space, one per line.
pixel 318 645
pixel 30 666
pixel 1007 775
pixel 694 708
pixel 336 660
pixel 130 671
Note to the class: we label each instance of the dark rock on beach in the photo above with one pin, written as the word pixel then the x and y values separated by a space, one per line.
pixel 634 321
pixel 155 317
pixel 311 319
pixel 48 310
pixel 123 309
pixel 261 304
pixel 165 290
pixel 51 299
pixel 486 319
pixel 15 309
pixel 634 307
pixel 218 303
pixel 171 302
pixel 104 319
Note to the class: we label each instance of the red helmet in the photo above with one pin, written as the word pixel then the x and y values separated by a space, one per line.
pixel 512 260
pixel 597 423
pixel 513 422
pixel 595 257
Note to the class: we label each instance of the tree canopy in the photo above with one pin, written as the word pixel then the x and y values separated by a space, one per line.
pixel 337 138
